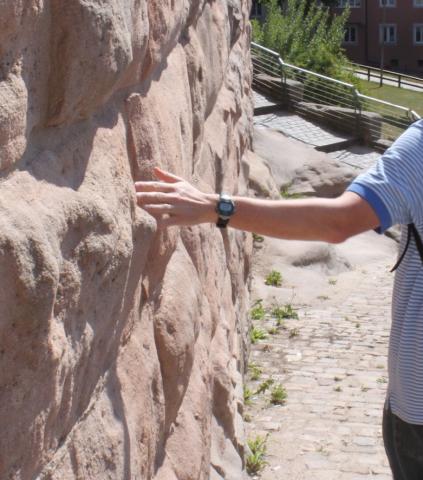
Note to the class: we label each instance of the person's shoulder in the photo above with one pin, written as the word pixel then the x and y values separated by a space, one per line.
pixel 409 144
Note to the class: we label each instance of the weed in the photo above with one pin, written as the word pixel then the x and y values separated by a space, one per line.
pixel 338 389
pixel 278 395
pixel 257 334
pixel 285 193
pixel 274 278
pixel 332 281
pixel 247 418
pixel 272 331
pixel 258 238
pixel 323 297
pixel 382 380
pixel 258 311
pixel 281 313
pixel 294 332
pixel 248 394
pixel 364 389
pixel 255 461
pixel 265 385
pixel 255 371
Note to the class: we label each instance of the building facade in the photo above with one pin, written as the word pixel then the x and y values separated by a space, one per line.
pixel 381 32
pixel 385 32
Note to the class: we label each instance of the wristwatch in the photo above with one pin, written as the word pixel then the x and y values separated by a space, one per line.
pixel 225 208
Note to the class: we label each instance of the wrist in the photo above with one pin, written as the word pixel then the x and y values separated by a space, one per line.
pixel 210 215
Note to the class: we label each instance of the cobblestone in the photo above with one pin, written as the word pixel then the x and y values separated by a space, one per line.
pixel 334 374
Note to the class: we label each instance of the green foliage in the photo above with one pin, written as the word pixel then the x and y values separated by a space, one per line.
pixel 278 395
pixel 255 461
pixel 285 193
pixel 281 313
pixel 265 385
pixel 258 238
pixel 257 334
pixel 247 395
pixel 294 332
pixel 274 278
pixel 258 311
pixel 305 35
pixel 255 371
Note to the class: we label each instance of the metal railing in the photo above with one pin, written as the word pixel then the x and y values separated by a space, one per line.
pixel 373 74
pixel 327 100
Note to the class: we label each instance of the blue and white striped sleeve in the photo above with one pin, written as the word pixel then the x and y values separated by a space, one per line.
pixel 394 186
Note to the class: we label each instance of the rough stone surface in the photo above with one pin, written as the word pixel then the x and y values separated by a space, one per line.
pixel 300 168
pixel 121 347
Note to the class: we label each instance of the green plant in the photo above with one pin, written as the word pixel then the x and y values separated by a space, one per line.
pixel 294 332
pixel 306 35
pixel 382 380
pixel 285 193
pixel 258 238
pixel 278 395
pixel 323 297
pixel 265 385
pixel 258 311
pixel 272 330
pixel 247 417
pixel 274 278
pixel 248 394
pixel 332 281
pixel 281 313
pixel 255 371
pixel 338 389
pixel 257 334
pixel 255 461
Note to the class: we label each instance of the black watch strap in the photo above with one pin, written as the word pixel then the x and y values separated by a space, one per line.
pixel 222 222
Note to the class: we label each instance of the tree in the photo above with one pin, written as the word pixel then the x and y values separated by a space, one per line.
pixel 306 35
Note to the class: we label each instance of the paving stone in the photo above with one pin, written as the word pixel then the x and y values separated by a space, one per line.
pixel 324 431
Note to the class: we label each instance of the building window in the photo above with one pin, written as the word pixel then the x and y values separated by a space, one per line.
pixel 418 34
pixel 256 10
pixel 351 34
pixel 417 3
pixel 388 33
pixel 387 3
pixel 349 3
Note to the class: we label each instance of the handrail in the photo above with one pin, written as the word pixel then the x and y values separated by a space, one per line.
pixel 390 72
pixel 315 74
pixel 386 76
pixel 332 101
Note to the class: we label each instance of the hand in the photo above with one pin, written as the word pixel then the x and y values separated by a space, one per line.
pixel 174 201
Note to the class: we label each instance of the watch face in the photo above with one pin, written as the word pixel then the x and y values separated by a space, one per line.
pixel 226 208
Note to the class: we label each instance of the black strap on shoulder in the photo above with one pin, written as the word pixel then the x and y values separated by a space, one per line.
pixel 412 232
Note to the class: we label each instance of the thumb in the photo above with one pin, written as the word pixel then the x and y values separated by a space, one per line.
pixel 166 176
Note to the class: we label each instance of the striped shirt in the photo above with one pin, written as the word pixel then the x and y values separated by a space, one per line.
pixel 394 189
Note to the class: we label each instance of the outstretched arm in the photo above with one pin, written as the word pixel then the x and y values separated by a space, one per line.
pixel 173 201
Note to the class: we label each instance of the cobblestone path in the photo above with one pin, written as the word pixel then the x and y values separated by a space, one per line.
pixel 332 363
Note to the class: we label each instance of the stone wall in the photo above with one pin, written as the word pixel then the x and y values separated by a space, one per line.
pixel 121 347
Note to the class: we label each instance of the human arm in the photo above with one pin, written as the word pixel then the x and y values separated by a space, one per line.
pixel 173 201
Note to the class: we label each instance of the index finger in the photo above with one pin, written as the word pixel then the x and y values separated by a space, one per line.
pixel 153 187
